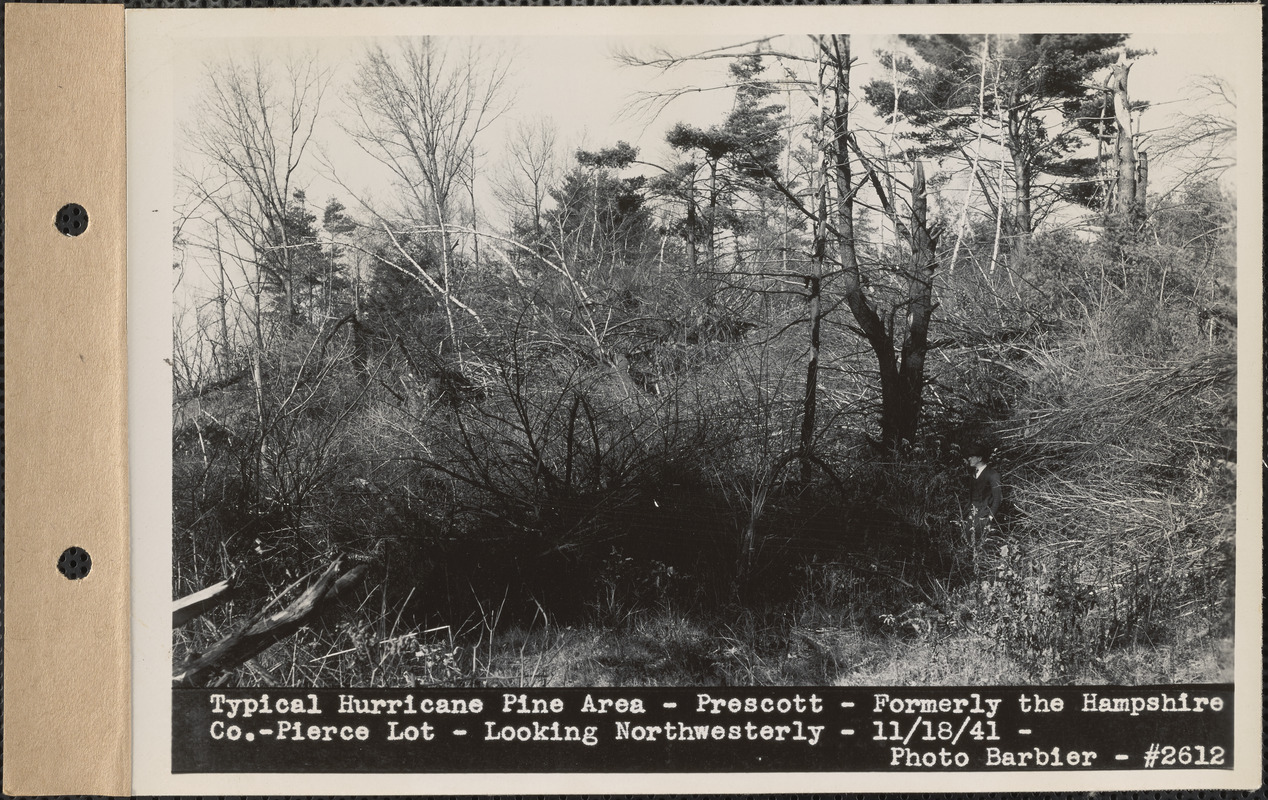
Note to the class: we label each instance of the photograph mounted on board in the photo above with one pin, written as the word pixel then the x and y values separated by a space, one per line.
pixel 800 360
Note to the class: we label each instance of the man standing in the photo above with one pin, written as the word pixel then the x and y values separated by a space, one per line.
pixel 985 494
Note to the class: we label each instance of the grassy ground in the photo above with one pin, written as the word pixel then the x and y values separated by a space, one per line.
pixel 664 647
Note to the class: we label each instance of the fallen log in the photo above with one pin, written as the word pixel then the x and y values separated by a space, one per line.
pixel 193 606
pixel 264 629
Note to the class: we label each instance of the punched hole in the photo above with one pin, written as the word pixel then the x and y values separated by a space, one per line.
pixel 71 219
pixel 74 563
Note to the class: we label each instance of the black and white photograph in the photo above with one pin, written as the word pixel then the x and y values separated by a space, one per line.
pixel 705 361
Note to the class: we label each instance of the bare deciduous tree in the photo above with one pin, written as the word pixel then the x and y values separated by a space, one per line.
pixel 418 109
pixel 255 123
pixel 532 165
pixel 1202 142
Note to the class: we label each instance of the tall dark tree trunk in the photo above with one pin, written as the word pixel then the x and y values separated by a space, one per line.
pixel 1023 172
pixel 1023 220
pixel 911 371
pixel 874 331
pixel 815 278
pixel 902 382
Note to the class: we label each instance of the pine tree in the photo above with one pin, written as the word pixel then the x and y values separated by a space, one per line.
pixel 601 221
pixel 740 154
pixel 1033 92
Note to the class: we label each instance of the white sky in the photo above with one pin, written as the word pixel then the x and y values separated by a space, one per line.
pixel 572 81
pixel 575 81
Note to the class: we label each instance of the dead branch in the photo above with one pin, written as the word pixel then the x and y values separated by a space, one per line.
pixel 260 632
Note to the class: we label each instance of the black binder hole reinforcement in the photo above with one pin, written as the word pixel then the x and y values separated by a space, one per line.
pixel 72 219
pixel 74 563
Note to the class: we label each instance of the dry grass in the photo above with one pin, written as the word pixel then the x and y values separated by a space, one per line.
pixel 955 660
pixel 666 648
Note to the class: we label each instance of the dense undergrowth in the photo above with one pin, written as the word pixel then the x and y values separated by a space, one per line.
pixel 563 528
